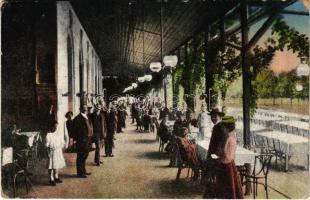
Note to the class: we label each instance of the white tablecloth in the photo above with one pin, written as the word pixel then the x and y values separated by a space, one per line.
pixel 6 155
pixel 297 124
pixel 31 136
pixel 289 144
pixel 253 127
pixel 242 155
pixel 264 112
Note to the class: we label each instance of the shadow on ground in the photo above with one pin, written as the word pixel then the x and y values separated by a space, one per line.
pixel 163 166
pixel 144 141
pixel 153 155
pixel 180 189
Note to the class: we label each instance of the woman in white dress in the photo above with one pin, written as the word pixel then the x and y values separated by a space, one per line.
pixel 55 142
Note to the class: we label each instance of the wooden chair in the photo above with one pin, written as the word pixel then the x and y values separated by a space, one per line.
pixel 260 172
pixel 295 131
pixel 242 173
pixel 284 128
pixel 161 143
pixel 20 165
pixel 260 144
pixel 289 129
pixel 254 144
pixel 181 163
pixel 280 154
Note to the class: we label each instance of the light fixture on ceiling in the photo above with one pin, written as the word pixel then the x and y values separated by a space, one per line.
pixel 155 66
pixel 141 79
pixel 170 61
pixel 134 85
pixel 148 77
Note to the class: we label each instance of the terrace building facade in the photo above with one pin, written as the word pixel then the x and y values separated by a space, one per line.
pixel 47 57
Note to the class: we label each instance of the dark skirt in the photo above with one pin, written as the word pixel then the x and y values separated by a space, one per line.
pixel 223 182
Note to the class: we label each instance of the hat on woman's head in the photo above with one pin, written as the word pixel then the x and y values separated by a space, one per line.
pixel 217 112
pixel 183 134
pixel 228 119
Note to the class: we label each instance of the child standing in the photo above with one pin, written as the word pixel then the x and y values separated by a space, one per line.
pixel 55 142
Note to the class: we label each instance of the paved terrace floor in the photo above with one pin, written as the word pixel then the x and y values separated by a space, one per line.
pixel 138 170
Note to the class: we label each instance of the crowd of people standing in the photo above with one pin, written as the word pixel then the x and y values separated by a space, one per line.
pixel 96 124
pixel 144 114
pixel 99 123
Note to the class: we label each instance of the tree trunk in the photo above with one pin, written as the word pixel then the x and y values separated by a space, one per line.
pixel 291 101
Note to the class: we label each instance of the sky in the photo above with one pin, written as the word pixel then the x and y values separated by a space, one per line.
pixel 286 61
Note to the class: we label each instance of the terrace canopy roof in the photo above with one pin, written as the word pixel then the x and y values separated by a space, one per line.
pixel 127 33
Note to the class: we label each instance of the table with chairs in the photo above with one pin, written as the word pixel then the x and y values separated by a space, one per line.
pixel 21 158
pixel 259 175
pixel 14 167
pixel 253 166
pixel 244 157
pixel 295 127
pixel 284 146
pixel 35 144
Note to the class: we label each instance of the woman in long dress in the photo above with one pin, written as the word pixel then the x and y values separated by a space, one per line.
pixel 55 142
pixel 223 180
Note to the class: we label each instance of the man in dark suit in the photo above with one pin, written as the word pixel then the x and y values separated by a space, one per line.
pixel 99 127
pixel 111 127
pixel 83 130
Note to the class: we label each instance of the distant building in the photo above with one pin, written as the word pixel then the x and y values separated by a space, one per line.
pixel 46 58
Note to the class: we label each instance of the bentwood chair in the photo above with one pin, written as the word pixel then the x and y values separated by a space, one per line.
pixel 276 126
pixel 182 162
pixel 161 143
pixel 289 129
pixel 260 172
pixel 295 131
pixel 284 128
pixel 20 165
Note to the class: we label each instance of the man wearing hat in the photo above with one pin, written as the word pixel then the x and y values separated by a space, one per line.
pixel 179 124
pixel 216 115
pixel 96 119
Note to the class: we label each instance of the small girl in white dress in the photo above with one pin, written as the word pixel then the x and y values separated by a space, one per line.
pixel 55 142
